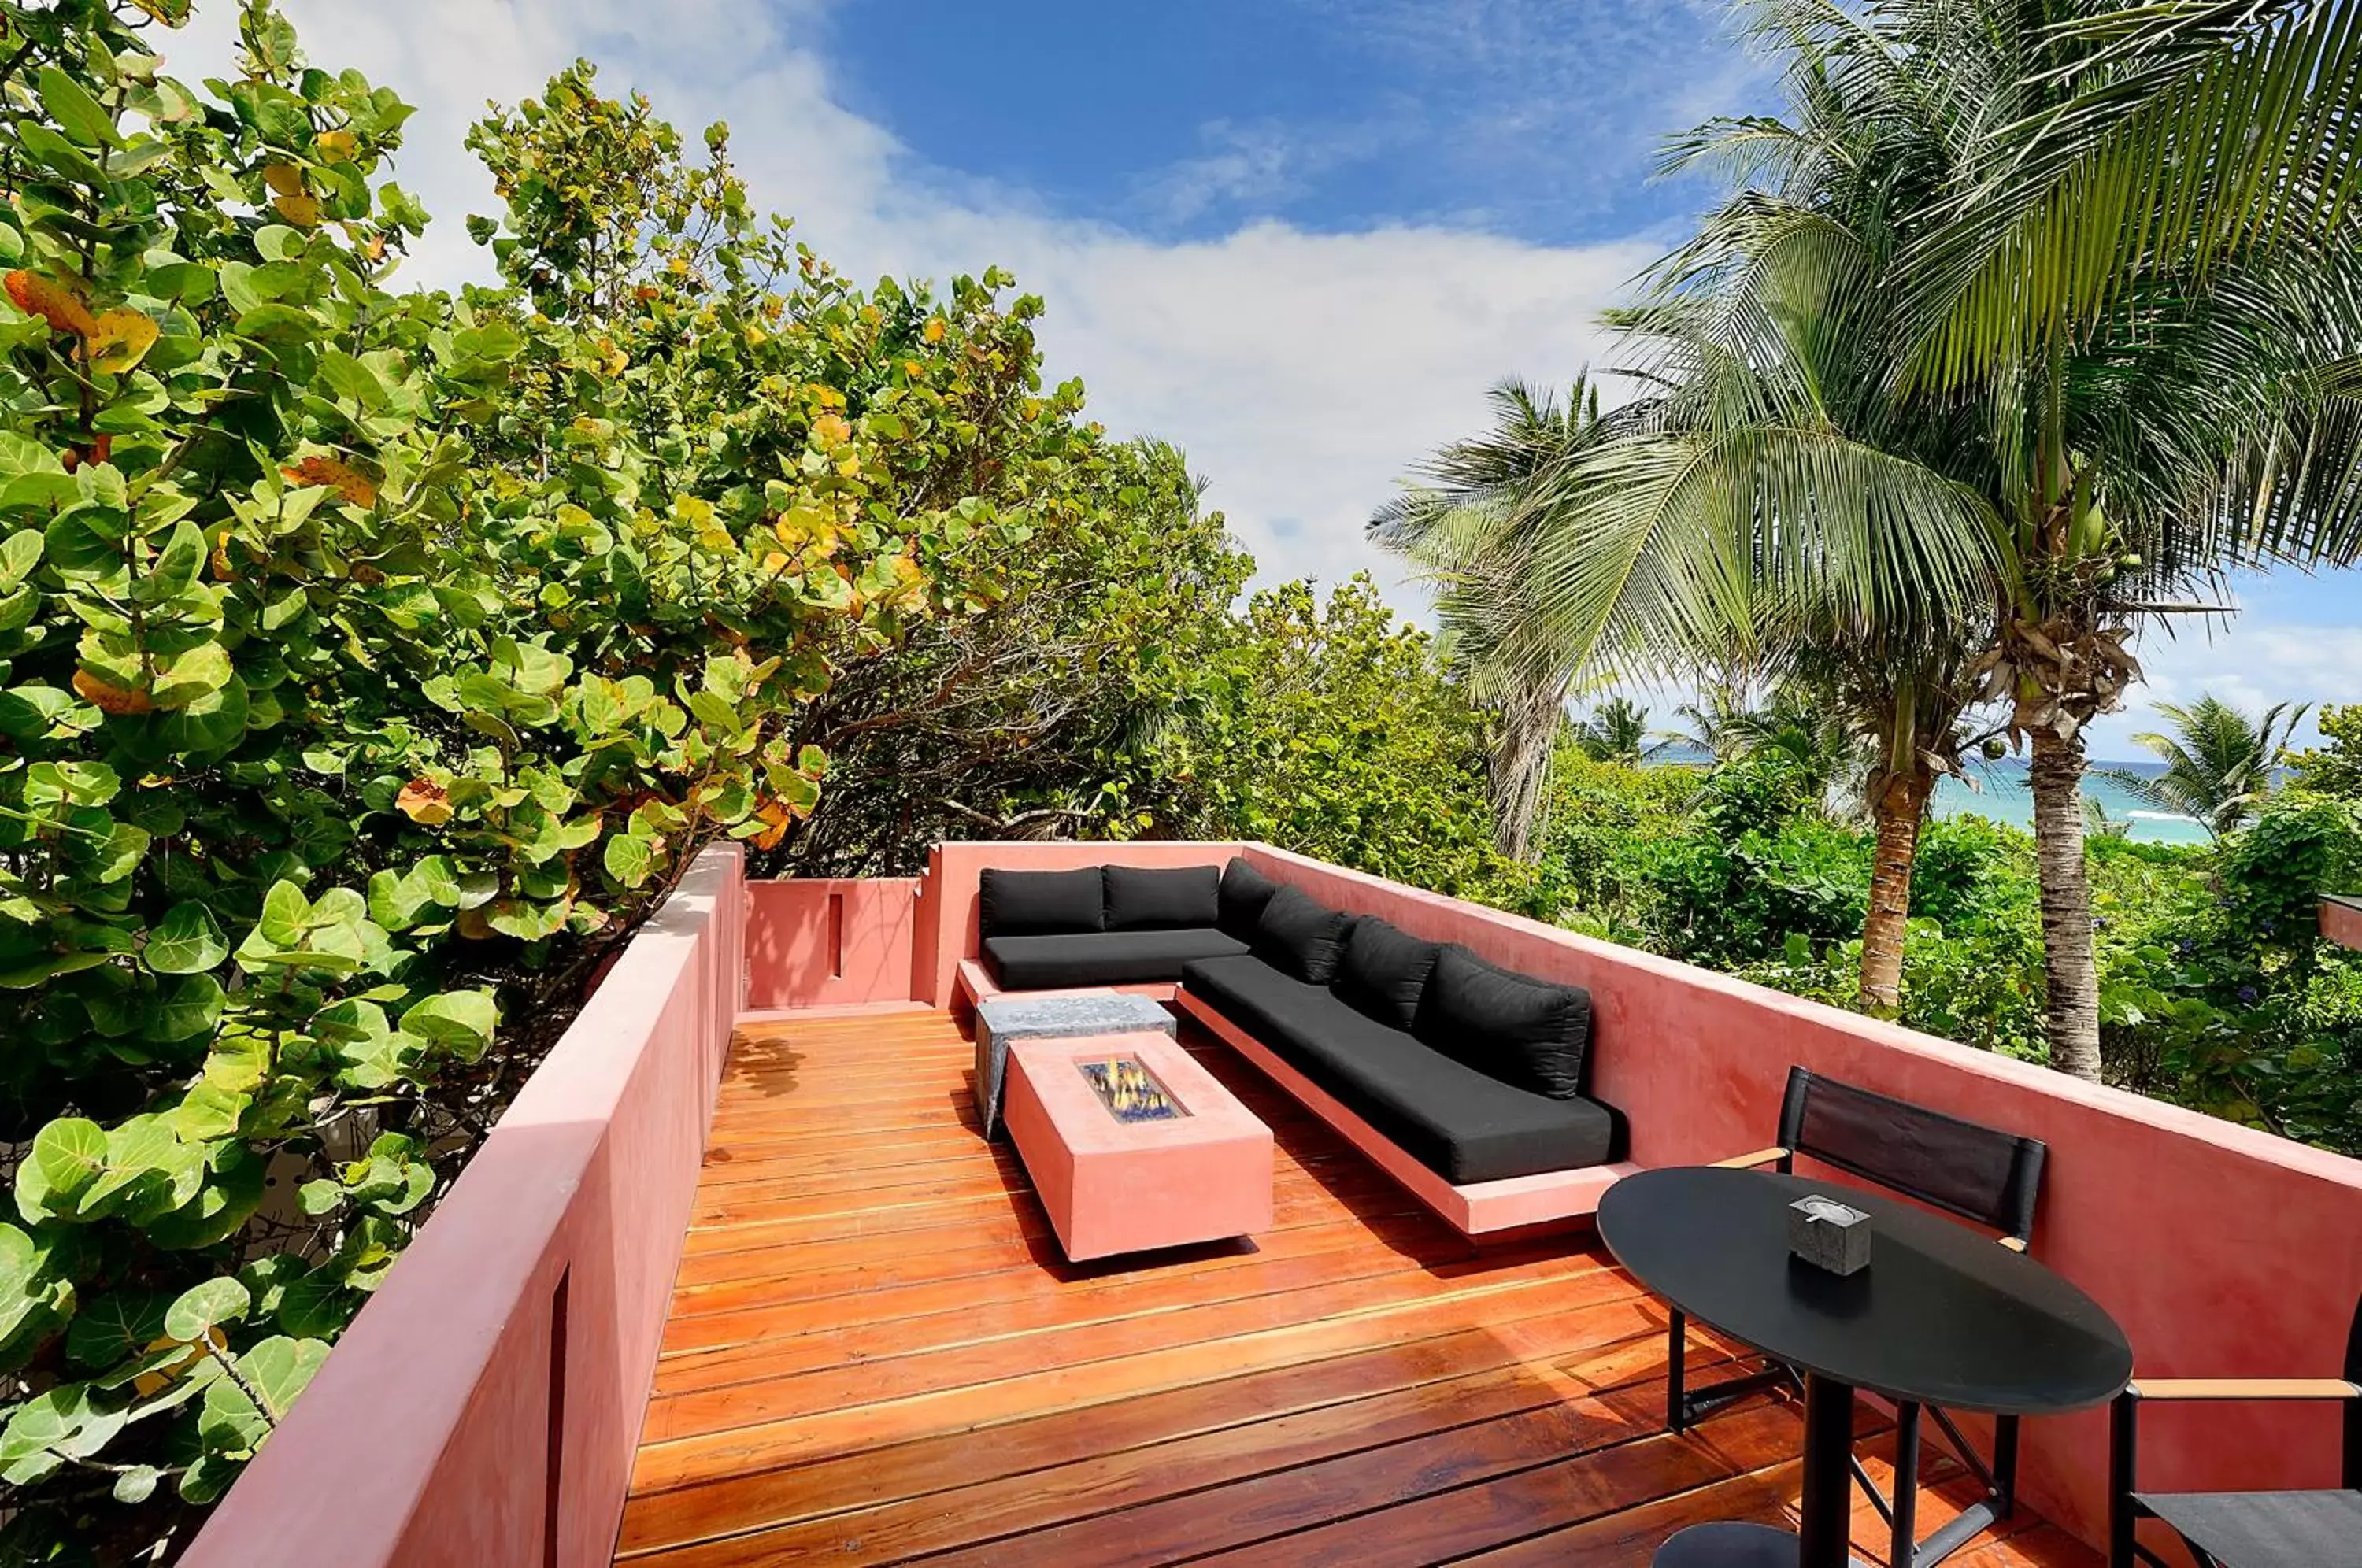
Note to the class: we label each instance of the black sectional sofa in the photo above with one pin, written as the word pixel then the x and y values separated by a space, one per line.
pixel 1476 1072
pixel 1103 925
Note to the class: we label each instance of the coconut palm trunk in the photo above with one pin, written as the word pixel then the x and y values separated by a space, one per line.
pixel 2068 960
pixel 1900 805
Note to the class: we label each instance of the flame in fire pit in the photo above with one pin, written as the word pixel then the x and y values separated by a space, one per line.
pixel 1130 1090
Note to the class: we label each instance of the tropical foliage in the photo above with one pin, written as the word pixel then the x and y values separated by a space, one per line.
pixel 1875 442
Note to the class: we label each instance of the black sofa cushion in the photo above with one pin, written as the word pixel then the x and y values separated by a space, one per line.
pixel 1101 957
pixel 1042 903
pixel 1302 936
pixel 1384 971
pixel 1464 1125
pixel 1245 892
pixel 1141 899
pixel 1529 1033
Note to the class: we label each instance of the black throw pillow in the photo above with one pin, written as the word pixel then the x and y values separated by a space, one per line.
pixel 1140 898
pixel 1042 903
pixel 1384 972
pixel 1245 892
pixel 1300 936
pixel 1513 1027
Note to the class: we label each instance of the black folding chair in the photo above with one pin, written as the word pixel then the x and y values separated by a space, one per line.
pixel 2242 1530
pixel 1978 1172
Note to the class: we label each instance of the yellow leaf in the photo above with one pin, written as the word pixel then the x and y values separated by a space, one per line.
pixel 110 698
pixel 298 209
pixel 425 801
pixel 850 465
pixel 52 302
pixel 172 13
pixel 119 340
pixel 777 818
pixel 935 329
pixel 284 178
pixel 833 430
pixel 350 483
pixel 338 146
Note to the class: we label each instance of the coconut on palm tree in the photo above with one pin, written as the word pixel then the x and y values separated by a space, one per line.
pixel 2218 762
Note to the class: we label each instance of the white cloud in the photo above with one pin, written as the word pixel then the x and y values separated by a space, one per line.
pixel 1302 372
pixel 2251 664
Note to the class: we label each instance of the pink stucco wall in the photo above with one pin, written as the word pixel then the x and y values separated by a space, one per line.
pixel 2341 920
pixel 2222 1251
pixel 426 1438
pixel 830 944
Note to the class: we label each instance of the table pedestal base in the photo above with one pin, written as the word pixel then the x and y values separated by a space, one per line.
pixel 1731 1546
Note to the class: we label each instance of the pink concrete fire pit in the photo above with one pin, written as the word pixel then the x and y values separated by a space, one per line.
pixel 1133 1145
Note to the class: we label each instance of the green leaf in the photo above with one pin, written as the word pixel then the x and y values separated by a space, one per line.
pixel 462 1020
pixel 137 1484
pixel 74 110
pixel 203 1307
pixel 200 672
pixel 286 916
pixel 67 1159
pixel 190 1006
pixel 116 1327
pixel 278 1370
pixel 629 858
pixel 230 1195
pixel 187 941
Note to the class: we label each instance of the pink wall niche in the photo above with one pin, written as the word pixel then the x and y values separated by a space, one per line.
pixel 826 943
pixel 2223 1250
pixel 2341 920
pixel 484 1406
pixel 948 926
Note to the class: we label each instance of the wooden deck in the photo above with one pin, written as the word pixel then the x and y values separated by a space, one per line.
pixel 876 1355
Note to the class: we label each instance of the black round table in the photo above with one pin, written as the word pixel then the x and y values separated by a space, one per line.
pixel 1941 1315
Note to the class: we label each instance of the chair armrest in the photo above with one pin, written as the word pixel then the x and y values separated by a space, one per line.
pixel 2244 1388
pixel 1749 1162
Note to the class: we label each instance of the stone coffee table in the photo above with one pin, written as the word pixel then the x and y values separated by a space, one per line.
pixel 1006 1020
pixel 1133 1146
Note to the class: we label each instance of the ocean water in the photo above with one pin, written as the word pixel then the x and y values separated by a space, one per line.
pixel 1998 790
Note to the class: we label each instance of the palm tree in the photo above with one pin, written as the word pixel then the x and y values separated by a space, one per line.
pixel 1465 494
pixel 2156 231
pixel 1803 476
pixel 1617 731
pixel 2218 762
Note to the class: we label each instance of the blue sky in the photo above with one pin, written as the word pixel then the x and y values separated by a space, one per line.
pixel 1532 118
pixel 1299 237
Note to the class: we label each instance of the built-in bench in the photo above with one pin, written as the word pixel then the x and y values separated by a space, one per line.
pixel 1463 1081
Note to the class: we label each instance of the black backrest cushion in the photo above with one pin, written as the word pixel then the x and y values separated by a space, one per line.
pixel 1384 971
pixel 1138 898
pixel 1300 936
pixel 1245 892
pixel 1521 1030
pixel 1042 903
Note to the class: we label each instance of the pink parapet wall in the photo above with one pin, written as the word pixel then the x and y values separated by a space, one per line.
pixel 483 1408
pixel 832 943
pixel 2222 1251
pixel 2341 920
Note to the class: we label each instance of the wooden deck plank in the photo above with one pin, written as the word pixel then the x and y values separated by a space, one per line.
pixel 878 1354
